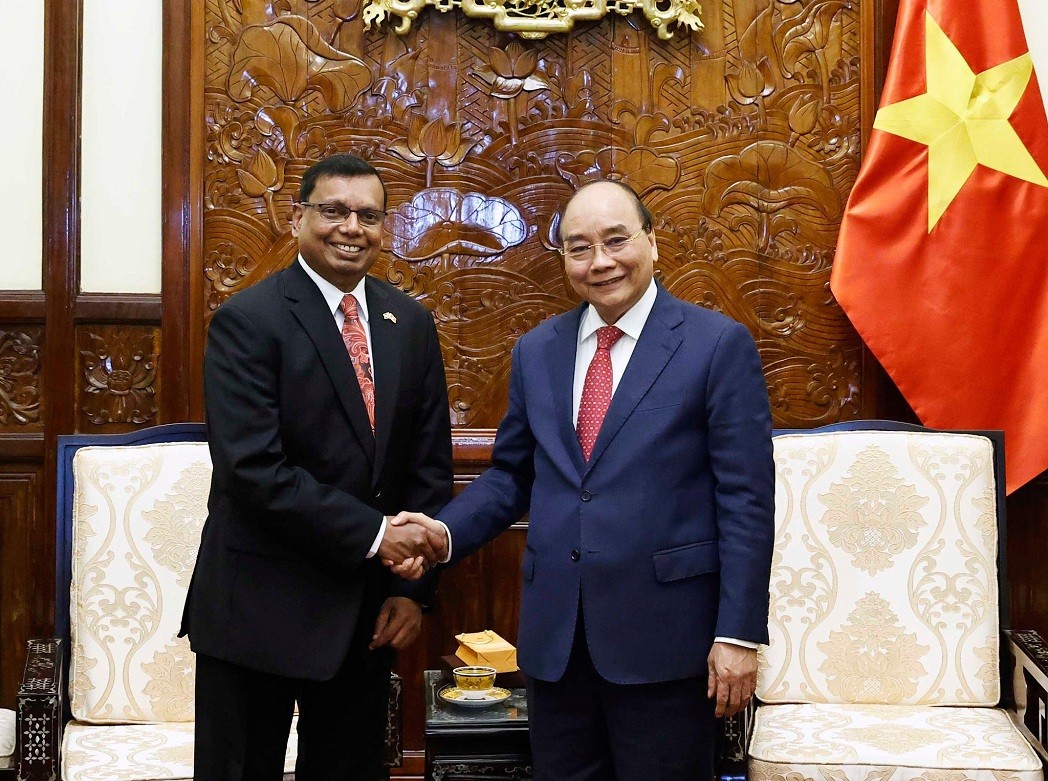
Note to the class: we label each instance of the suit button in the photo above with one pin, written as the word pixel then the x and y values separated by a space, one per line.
pixel 586 496
pixel 575 555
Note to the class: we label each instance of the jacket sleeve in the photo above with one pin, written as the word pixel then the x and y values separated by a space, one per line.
pixel 740 449
pixel 502 494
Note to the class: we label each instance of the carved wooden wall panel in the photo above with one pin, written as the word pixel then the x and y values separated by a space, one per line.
pixel 20 373
pixel 743 139
pixel 20 599
pixel 117 378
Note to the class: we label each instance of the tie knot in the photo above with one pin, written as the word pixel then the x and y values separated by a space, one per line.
pixel 607 336
pixel 349 306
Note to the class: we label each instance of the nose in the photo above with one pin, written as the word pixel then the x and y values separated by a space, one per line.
pixel 601 258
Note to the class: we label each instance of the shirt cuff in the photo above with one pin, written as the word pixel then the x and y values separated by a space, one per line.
pixel 447 531
pixel 733 641
pixel 378 539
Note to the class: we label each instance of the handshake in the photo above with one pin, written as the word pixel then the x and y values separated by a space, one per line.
pixel 412 544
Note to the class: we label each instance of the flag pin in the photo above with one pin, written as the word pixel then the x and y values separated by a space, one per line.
pixel 389 316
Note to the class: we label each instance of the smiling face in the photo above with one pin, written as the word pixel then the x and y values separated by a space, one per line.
pixel 611 283
pixel 341 252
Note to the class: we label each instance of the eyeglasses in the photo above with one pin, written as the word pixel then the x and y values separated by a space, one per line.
pixel 336 213
pixel 612 246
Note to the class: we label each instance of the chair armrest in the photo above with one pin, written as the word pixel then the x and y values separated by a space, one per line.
pixel 38 712
pixel 733 743
pixel 1030 685
pixel 395 722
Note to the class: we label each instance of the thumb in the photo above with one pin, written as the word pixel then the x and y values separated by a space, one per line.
pixel 384 616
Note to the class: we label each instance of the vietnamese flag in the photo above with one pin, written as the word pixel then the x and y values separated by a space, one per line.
pixel 942 260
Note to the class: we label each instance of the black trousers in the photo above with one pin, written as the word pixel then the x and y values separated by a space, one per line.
pixel 243 719
pixel 584 728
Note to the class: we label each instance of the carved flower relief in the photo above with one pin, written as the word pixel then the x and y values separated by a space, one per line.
pixel 260 178
pixel 641 168
pixel 290 57
pixel 176 521
pixel 873 513
pixel 434 141
pixel 768 177
pixel 872 659
pixel 19 378
pixel 171 681
pixel 119 376
pixel 509 73
pixel 443 221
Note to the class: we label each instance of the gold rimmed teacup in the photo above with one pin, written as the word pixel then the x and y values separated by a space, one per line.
pixel 474 681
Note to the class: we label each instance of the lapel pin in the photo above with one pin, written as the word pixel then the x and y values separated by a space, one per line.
pixel 389 316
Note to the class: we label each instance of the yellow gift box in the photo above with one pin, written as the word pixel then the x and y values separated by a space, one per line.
pixel 486 648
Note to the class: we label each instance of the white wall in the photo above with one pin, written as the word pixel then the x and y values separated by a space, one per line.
pixel 1035 25
pixel 21 135
pixel 120 230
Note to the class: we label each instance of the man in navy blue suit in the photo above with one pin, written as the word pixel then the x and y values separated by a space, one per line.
pixel 638 437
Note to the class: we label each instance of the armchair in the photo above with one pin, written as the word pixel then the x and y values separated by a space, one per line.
pixel 130 511
pixel 887 659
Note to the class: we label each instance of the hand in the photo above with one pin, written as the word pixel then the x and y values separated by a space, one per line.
pixel 404 543
pixel 399 622
pixel 733 677
pixel 413 568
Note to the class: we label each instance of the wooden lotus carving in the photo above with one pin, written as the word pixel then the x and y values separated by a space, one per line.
pixel 118 367
pixel 744 143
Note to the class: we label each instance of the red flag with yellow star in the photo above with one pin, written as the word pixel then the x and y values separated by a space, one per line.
pixel 942 260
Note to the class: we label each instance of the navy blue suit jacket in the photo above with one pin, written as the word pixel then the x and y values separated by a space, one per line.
pixel 667 530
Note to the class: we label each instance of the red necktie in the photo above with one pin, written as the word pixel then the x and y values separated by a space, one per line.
pixel 356 342
pixel 596 392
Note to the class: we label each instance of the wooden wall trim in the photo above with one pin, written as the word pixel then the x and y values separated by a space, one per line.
pixel 118 308
pixel 61 241
pixel 21 447
pixel 182 206
pixel 22 306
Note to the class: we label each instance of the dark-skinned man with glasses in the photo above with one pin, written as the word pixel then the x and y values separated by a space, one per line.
pixel 638 440
pixel 327 413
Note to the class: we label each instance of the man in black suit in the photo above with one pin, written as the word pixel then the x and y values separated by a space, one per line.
pixel 327 412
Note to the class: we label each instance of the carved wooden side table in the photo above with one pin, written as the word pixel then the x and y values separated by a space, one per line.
pixel 475 744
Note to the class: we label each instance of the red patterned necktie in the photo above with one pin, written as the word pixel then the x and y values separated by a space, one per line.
pixel 356 342
pixel 596 392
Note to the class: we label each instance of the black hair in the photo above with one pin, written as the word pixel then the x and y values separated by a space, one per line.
pixel 344 165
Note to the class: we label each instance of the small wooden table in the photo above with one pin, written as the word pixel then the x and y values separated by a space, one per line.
pixel 475 743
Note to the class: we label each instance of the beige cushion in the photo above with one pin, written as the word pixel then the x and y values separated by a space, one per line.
pixel 7 736
pixel 884 577
pixel 137 516
pixel 888 743
pixel 141 752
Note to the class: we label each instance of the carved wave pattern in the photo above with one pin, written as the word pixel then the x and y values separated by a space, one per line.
pixel 744 139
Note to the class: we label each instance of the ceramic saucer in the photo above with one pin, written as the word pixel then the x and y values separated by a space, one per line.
pixel 456 696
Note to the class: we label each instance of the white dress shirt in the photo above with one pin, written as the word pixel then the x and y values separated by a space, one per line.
pixel 333 299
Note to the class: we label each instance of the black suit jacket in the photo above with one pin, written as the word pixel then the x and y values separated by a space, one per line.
pixel 300 484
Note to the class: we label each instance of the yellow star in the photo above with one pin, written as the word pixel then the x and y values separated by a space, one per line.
pixel 963 120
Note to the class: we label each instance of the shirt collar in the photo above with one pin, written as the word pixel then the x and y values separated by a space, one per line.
pixel 631 323
pixel 333 296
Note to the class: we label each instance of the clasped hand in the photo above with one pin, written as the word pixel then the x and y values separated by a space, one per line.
pixel 412 544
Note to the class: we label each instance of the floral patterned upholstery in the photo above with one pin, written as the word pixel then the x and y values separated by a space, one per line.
pixel 884 577
pixel 157 752
pixel 889 743
pixel 137 516
pixel 883 662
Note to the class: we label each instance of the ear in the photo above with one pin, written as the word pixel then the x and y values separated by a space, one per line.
pixel 297 213
pixel 654 246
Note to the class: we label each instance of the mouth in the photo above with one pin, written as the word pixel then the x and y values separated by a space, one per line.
pixel 607 282
pixel 348 249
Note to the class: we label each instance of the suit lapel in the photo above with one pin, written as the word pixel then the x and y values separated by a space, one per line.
pixel 657 344
pixel 560 354
pixel 309 308
pixel 386 360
